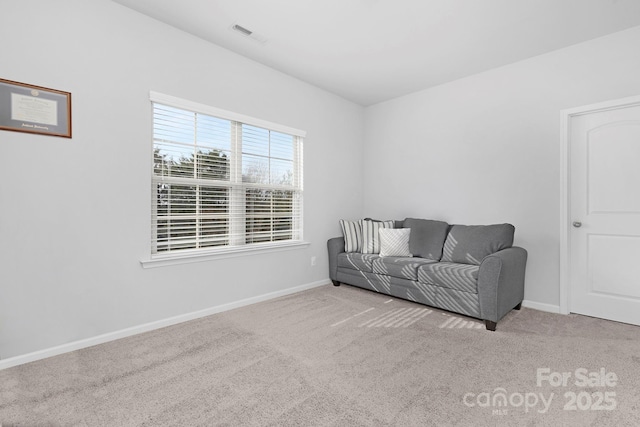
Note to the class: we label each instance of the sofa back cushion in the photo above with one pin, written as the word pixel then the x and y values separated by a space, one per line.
pixel 427 237
pixel 469 244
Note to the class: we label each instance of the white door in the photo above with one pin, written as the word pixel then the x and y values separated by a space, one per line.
pixel 604 213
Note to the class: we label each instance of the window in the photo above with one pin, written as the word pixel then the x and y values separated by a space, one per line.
pixel 222 181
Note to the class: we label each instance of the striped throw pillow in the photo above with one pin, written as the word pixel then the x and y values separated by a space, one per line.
pixel 352 232
pixel 371 236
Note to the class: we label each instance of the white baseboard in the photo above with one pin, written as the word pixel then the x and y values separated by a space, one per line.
pixel 111 336
pixel 541 306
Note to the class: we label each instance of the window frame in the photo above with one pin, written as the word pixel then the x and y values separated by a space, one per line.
pixel 236 187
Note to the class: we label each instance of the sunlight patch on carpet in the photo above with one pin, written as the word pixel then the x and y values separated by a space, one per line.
pixel 455 322
pixel 351 317
pixel 399 318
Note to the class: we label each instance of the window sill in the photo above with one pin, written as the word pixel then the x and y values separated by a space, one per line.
pixel 215 254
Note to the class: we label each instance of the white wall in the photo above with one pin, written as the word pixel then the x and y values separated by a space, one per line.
pixel 75 214
pixel 486 149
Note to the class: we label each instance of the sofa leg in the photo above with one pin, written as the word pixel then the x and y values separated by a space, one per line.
pixel 518 307
pixel 335 283
pixel 491 326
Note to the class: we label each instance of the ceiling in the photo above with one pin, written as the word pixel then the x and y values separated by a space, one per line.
pixel 369 51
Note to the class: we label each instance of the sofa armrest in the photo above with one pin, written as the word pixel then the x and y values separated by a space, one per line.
pixel 501 282
pixel 335 246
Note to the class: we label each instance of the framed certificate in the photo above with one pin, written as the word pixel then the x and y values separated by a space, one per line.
pixel 34 109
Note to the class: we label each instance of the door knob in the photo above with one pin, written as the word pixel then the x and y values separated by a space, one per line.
pixel 577 224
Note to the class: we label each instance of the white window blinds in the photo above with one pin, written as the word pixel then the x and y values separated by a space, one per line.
pixel 220 183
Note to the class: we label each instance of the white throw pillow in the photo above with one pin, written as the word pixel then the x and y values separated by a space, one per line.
pixel 370 236
pixel 395 242
pixel 352 232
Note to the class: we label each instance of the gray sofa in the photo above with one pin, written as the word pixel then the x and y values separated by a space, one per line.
pixel 472 270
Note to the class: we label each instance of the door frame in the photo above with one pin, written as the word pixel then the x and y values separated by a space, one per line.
pixel 565 187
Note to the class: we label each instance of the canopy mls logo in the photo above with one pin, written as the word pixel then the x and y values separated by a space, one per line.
pixel 593 393
pixel 499 401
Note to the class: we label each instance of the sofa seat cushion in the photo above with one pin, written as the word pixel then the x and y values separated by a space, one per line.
pixel 461 277
pixel 356 261
pixel 402 267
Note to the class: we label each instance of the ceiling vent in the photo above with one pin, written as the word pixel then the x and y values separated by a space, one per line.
pixel 248 33
pixel 241 29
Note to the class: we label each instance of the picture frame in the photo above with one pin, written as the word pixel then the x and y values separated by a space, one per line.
pixel 34 109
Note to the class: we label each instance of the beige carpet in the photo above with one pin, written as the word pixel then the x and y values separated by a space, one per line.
pixel 340 357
